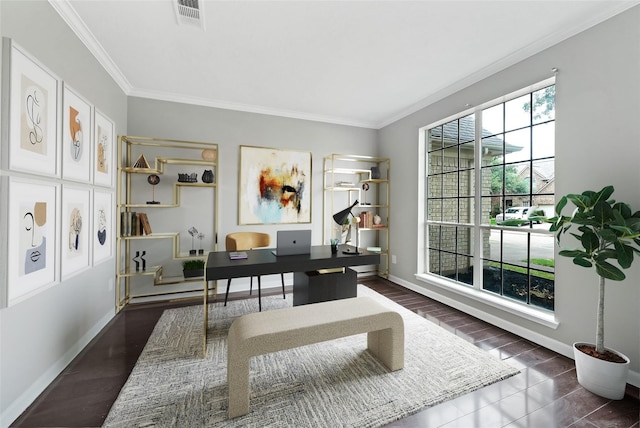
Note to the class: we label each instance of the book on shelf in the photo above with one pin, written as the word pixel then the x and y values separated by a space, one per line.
pixel 237 255
pixel 144 221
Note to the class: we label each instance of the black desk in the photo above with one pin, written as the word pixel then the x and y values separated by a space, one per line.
pixel 264 262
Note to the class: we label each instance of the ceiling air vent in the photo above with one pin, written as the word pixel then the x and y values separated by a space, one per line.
pixel 189 12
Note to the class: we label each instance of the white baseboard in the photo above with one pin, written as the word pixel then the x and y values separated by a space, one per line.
pixel 542 340
pixel 15 409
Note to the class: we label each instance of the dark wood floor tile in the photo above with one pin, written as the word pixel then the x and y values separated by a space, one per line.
pixel 616 414
pixel 554 366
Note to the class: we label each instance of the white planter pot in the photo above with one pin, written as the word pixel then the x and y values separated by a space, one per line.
pixel 603 378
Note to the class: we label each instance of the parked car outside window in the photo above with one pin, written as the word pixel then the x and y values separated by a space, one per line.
pixel 516 216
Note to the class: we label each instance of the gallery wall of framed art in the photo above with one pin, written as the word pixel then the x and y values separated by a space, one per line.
pixel 56 167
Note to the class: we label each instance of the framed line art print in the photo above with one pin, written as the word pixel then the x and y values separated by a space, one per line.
pixel 103 230
pixel 32 223
pixel 76 137
pixel 275 186
pixel 75 229
pixel 104 150
pixel 33 113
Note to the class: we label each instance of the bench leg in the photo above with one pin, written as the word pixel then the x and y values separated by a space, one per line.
pixel 238 383
pixel 388 346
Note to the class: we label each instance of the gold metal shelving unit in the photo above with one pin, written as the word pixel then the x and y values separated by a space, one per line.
pixel 344 179
pixel 164 155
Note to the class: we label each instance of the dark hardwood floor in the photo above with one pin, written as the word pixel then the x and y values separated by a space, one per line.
pixel 544 394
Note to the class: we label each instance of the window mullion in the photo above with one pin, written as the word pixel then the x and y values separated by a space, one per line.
pixel 477 202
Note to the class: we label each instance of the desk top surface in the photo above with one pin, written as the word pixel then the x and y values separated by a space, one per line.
pixel 263 262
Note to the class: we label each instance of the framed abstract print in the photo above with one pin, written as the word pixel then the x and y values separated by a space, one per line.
pixel 104 150
pixel 32 223
pixel 103 232
pixel 275 186
pixel 76 137
pixel 33 114
pixel 75 230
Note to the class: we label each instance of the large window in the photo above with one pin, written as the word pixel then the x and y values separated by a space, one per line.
pixel 489 183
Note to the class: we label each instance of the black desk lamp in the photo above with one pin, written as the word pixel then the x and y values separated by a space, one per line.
pixel 340 217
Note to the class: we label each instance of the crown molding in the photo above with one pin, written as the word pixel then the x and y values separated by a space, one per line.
pixel 77 25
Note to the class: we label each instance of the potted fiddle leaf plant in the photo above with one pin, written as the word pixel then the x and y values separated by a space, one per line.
pixel 609 235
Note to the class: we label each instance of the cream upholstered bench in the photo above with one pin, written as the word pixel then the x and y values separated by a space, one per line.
pixel 264 332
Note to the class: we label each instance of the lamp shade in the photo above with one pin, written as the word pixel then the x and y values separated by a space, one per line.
pixel 341 216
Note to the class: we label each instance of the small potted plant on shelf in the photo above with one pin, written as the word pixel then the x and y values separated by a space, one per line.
pixel 192 268
pixel 608 231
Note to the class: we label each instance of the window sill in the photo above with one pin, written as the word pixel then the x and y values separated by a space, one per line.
pixel 524 311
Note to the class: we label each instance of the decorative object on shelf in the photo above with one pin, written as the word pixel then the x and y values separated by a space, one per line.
pixel 192 268
pixel 209 155
pixel 140 260
pixel 200 237
pixel 377 220
pixel 141 162
pixel 153 179
pixel 274 186
pixel 207 176
pixel 365 189
pixel 188 178
pixel 193 232
pixel 375 173
pixel 340 218
pixel 608 231
pixel 334 246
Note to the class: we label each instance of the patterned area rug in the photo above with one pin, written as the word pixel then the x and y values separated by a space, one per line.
pixel 331 384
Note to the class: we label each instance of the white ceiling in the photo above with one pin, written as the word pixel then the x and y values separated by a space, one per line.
pixel 361 63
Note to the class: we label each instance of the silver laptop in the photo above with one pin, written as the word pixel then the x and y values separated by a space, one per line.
pixel 290 242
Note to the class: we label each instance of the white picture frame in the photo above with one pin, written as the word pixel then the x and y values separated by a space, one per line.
pixel 32 249
pixel 104 150
pixel 77 136
pixel 103 231
pixel 33 117
pixel 75 227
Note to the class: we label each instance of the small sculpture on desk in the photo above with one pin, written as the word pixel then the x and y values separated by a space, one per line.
pixel 153 179
pixel 200 237
pixel 193 232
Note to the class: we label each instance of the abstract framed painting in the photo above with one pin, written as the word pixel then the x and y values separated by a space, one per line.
pixel 75 230
pixel 104 150
pixel 32 108
pixel 76 137
pixel 275 186
pixel 32 223
pixel 103 232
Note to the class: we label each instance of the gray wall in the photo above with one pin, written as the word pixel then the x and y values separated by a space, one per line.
pixel 231 129
pixel 42 334
pixel 597 143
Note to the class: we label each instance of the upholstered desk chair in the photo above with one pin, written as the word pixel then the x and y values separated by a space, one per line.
pixel 242 241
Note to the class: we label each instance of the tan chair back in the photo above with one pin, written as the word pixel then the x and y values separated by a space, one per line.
pixel 241 241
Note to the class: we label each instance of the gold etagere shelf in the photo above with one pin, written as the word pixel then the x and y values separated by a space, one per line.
pixel 136 155
pixel 347 178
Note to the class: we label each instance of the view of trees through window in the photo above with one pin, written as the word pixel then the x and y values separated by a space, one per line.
pixel 490 182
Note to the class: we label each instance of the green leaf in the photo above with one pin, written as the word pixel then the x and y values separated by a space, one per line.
pixel 609 271
pixel 572 253
pixel 605 193
pixel 580 201
pixel 560 205
pixel 590 241
pixel 582 262
pixel 625 255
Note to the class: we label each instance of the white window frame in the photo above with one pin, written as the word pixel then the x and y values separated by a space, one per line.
pixel 475 292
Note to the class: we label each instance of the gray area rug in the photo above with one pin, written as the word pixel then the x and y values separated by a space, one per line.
pixel 331 384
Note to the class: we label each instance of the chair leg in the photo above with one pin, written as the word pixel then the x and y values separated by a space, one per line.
pixel 250 286
pixel 226 295
pixel 259 296
pixel 282 277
